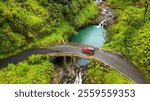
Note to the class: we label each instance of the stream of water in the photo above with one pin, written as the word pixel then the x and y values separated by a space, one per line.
pixel 93 35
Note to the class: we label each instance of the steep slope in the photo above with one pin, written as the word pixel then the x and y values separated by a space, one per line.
pixel 131 33
pixel 28 23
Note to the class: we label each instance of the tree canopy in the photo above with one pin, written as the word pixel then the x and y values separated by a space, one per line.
pixel 36 70
pixel 28 23
pixel 130 35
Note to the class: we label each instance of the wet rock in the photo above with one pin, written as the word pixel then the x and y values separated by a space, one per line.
pixel 64 75
pixel 105 13
pixel 67 74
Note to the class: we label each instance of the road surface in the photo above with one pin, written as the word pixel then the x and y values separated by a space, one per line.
pixel 116 61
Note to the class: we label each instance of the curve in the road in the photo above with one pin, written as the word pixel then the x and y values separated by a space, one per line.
pixel 118 62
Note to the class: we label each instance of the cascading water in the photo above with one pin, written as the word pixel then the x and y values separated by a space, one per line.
pixel 94 36
pixel 107 18
pixel 78 79
pixel 101 24
pixel 98 1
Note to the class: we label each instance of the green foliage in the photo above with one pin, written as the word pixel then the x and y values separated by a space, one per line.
pixel 119 3
pixel 57 36
pixel 37 70
pixel 24 24
pixel 99 73
pixel 114 77
pixel 130 35
pixel 96 73
pixel 34 59
pixel 89 12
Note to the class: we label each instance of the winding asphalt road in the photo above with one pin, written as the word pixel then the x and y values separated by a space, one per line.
pixel 116 61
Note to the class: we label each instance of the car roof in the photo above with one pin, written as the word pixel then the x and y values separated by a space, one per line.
pixel 90 48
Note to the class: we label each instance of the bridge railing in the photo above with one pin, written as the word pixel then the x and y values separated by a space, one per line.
pixel 73 44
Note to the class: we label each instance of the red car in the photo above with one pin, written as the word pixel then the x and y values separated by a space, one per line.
pixel 89 50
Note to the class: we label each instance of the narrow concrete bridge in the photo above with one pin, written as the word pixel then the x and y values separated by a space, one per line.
pixel 114 60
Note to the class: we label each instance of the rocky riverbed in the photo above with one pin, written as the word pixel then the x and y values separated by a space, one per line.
pixel 105 13
pixel 67 74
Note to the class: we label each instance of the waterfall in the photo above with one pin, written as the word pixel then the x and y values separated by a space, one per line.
pixel 107 17
pixel 98 1
pixel 78 79
pixel 101 24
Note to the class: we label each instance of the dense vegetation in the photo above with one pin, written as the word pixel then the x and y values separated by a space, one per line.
pixel 131 32
pixel 39 69
pixel 28 23
pixel 36 70
pixel 99 73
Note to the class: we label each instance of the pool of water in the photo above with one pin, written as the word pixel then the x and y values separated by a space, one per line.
pixel 91 35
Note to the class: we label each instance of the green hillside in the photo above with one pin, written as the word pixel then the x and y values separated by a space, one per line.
pixel 131 32
pixel 28 23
